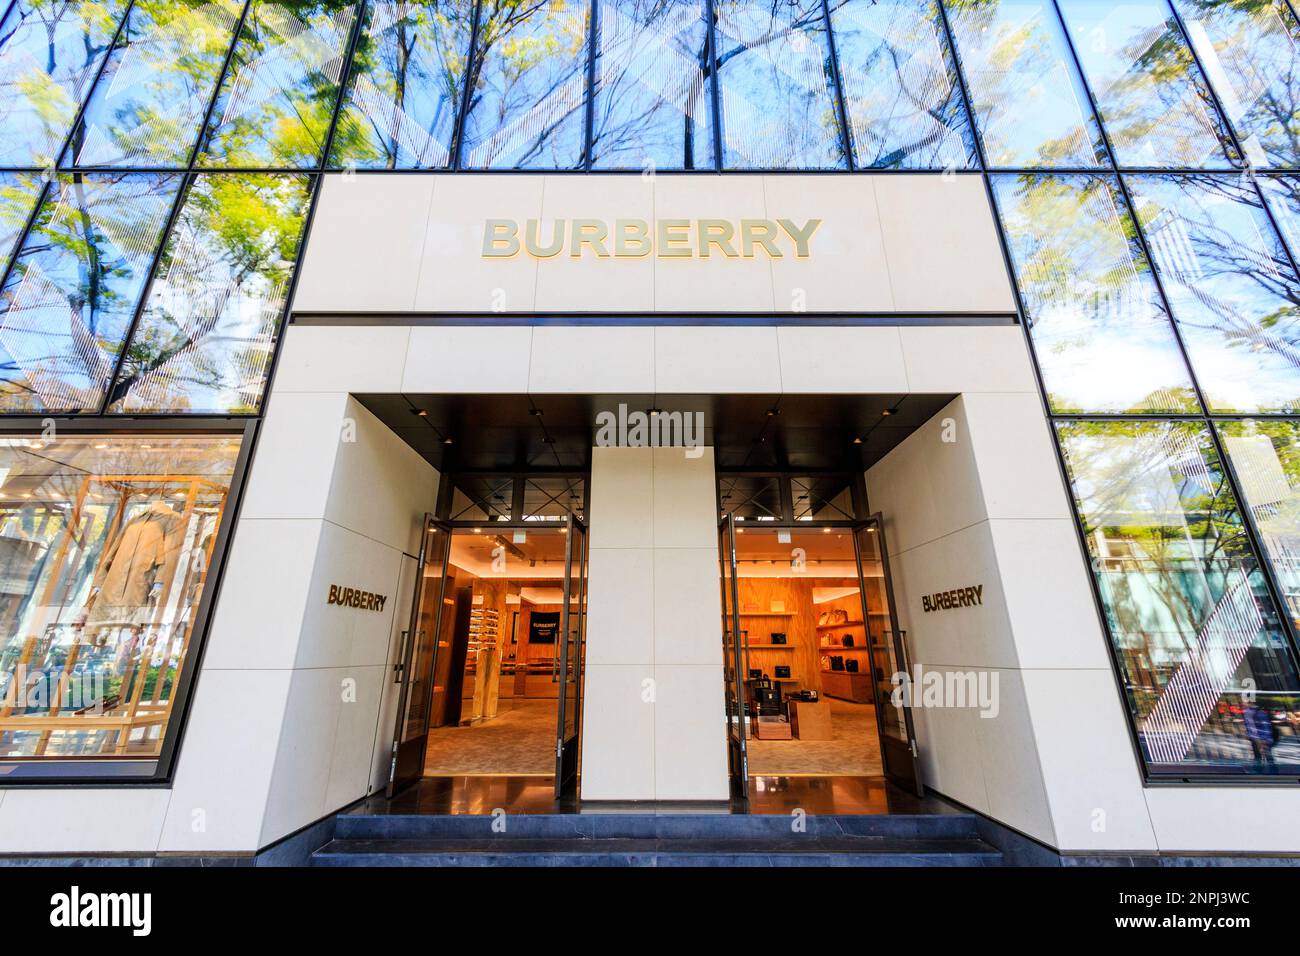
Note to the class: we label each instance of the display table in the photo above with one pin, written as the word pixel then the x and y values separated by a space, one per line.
pixel 847 686
pixel 811 720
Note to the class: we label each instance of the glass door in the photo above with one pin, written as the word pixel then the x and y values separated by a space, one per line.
pixel 888 655
pixel 573 628
pixel 417 660
pixel 733 663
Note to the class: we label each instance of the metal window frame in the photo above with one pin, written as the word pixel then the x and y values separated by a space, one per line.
pixel 519 478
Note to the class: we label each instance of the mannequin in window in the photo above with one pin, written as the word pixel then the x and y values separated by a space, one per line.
pixel 129 579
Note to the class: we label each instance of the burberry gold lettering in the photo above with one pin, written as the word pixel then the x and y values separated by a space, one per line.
pixel 957 597
pixel 355 597
pixel 638 238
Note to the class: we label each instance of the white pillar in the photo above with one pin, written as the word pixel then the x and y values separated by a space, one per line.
pixel 653 726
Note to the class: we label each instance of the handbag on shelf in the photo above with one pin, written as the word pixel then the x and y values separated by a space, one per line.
pixel 778 637
pixel 847 640
pixel 783 671
pixel 851 665
pixel 837 662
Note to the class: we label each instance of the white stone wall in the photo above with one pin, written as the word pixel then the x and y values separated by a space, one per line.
pixel 412 243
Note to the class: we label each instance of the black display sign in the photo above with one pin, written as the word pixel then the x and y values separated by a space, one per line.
pixel 543 626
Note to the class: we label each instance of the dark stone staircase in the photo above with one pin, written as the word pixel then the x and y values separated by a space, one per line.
pixel 650 839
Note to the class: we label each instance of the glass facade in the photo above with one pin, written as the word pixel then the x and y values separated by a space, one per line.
pixel 158 162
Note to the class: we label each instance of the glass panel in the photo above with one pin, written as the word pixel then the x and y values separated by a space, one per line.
pixel 1207 669
pixel 1030 107
pixel 18 195
pixel 552 498
pixel 482 499
pixel 753 499
pixel 653 105
pixel 405 86
pixel 1153 101
pixel 50 51
pixel 148 106
pixel 1265 457
pixel 68 303
pixel 1250 52
pixel 1230 285
pixel 278 94
pixel 575 630
pixel 1282 193
pixel 105 545
pixel 1101 333
pixel 528 85
pixel 415 720
pixel 777 92
pixel 733 663
pixel 887 667
pixel 822 499
pixel 900 86
pixel 208 328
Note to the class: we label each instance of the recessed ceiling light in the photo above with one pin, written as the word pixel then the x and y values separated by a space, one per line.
pixel 857 440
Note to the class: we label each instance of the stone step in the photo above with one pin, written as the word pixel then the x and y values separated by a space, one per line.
pixel 652 851
pixel 682 826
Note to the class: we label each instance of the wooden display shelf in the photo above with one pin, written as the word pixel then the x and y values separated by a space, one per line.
pixel 839 647
pixel 766 613
pixel 771 647
pixel 831 627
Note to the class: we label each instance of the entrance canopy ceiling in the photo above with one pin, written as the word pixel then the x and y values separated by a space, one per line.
pixel 748 432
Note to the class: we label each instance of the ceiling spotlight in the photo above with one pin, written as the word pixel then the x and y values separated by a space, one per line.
pixel 536 412
pixel 654 411
pixel 887 412
pixel 773 412
pixel 422 412
pixel 857 440
pixel 448 440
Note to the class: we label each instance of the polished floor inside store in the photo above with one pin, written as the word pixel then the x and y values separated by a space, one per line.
pixel 853 751
pixel 520 739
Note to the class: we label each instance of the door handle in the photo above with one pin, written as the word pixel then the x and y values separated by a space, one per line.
pixel 400 666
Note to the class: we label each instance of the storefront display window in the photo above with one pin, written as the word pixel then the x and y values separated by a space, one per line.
pixel 106 546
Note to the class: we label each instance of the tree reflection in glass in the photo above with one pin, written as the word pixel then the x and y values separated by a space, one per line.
pixel 149 103
pixel 652 107
pixel 1282 194
pixel 278 95
pixel 776 86
pixel 1030 107
pixel 50 51
pixel 1231 287
pixel 1153 101
pixel 405 86
pixel 1208 673
pixel 1265 457
pixel 208 329
pixel 528 86
pixel 900 86
pixel 76 281
pixel 1251 51
pixel 18 194
pixel 1101 333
